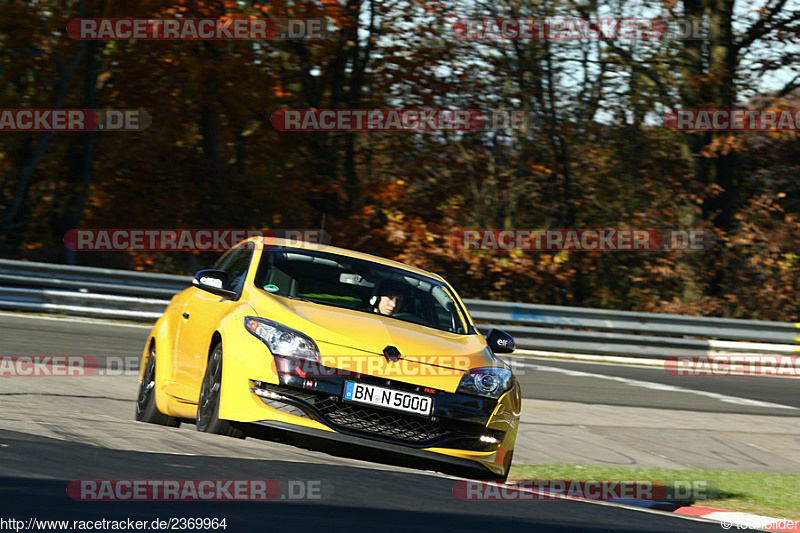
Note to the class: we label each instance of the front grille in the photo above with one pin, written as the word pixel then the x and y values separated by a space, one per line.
pixel 379 422
pixel 367 421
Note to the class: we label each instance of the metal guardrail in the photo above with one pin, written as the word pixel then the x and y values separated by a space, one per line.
pixel 86 291
pixel 549 328
pixel 140 296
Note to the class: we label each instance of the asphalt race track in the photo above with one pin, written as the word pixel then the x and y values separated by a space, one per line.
pixel 612 384
pixel 363 498
pixel 55 430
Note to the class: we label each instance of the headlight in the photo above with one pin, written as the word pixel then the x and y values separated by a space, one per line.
pixel 491 381
pixel 282 340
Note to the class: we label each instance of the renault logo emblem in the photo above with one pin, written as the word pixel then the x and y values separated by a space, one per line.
pixel 392 354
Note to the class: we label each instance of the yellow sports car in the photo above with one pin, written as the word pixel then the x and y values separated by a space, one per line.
pixel 333 343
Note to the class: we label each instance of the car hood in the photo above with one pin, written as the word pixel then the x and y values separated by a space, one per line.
pixel 355 332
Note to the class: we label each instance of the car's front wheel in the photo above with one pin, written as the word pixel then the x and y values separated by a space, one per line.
pixel 208 420
pixel 146 409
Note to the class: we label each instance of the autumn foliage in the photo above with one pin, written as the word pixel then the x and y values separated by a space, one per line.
pixel 597 157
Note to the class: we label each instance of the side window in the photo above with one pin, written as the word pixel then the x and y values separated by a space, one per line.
pixel 235 263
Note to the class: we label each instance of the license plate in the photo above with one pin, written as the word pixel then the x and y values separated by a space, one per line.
pixel 388 398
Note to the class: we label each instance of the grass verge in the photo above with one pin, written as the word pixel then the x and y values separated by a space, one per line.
pixel 776 495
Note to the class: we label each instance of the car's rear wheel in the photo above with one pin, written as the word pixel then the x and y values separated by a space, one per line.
pixel 146 409
pixel 208 420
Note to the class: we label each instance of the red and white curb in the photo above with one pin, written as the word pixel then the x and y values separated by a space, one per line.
pixel 733 520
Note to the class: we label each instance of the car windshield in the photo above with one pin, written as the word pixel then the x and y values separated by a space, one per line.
pixel 340 281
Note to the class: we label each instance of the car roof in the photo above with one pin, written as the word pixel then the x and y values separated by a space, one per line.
pixel 302 245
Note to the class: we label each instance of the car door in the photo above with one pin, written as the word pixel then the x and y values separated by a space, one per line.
pixel 201 314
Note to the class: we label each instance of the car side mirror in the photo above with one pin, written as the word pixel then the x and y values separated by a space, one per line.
pixel 214 281
pixel 499 341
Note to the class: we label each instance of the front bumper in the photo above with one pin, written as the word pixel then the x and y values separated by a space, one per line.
pixel 415 458
pixel 457 420
pixel 452 434
pixel 464 415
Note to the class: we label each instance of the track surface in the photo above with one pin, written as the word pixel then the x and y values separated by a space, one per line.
pixel 96 438
pixel 553 385
pixel 364 499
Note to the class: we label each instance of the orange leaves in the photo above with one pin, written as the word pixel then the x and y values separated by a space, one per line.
pixel 540 169
pixel 279 92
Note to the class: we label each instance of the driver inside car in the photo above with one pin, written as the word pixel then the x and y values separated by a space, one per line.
pixel 388 300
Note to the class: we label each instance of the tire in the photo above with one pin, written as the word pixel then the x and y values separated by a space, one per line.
pixel 208 420
pixel 146 409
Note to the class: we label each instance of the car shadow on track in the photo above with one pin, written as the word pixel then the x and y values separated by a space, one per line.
pixel 35 472
pixel 371 452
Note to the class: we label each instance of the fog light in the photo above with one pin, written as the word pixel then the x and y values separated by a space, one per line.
pixel 266 394
pixel 489 439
